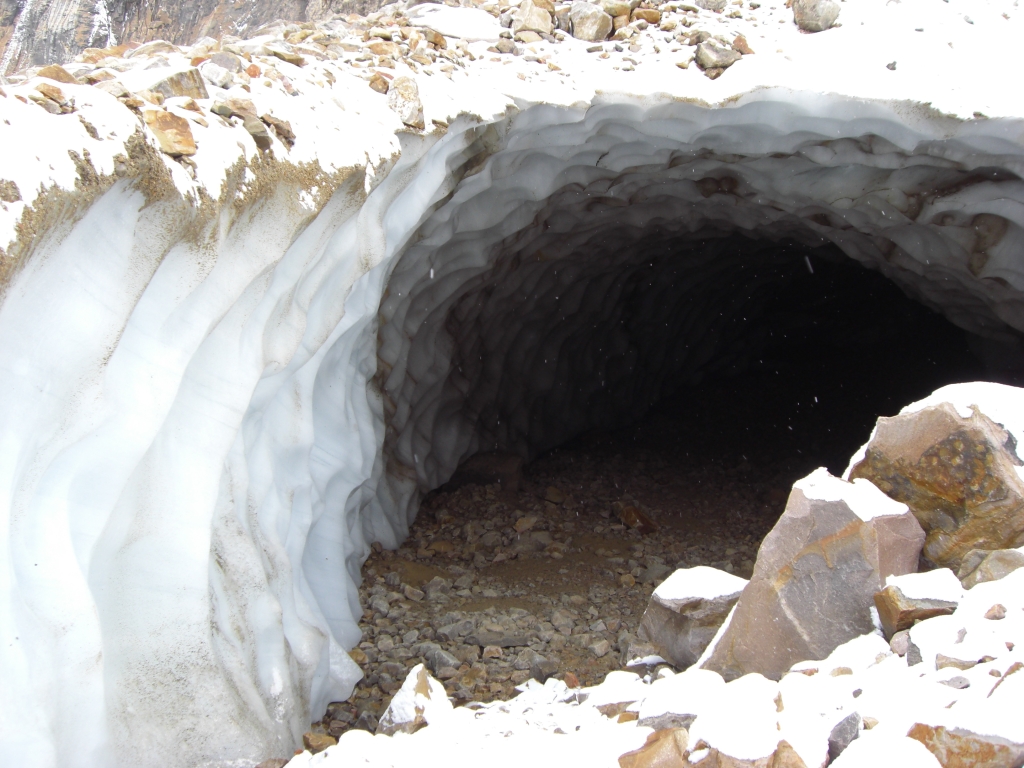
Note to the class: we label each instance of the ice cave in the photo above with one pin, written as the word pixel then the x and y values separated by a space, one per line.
pixel 221 386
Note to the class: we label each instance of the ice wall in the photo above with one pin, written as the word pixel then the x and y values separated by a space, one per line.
pixel 214 404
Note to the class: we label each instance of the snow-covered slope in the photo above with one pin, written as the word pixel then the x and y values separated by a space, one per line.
pixel 223 379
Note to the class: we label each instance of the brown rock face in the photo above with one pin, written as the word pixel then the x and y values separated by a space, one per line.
pixel 663 749
pixel 173 132
pixel 979 566
pixel 958 748
pixel 898 612
pixel 816 576
pixel 957 476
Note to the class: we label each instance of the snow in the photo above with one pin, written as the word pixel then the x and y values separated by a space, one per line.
pixel 872 750
pixel 469 24
pixel 699 582
pixel 219 390
pixel 940 584
pixel 861 496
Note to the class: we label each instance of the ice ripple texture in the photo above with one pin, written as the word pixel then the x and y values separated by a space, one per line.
pixel 201 436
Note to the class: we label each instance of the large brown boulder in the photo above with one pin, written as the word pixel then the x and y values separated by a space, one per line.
pixel 816 576
pixel 958 476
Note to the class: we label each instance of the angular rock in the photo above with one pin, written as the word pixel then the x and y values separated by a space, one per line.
pixel 916 597
pixel 404 99
pixel 317 742
pixel 530 18
pixel 635 517
pixel 979 566
pixel 815 15
pixel 258 131
pixel 589 22
pixel 216 75
pixel 274 762
pixel 420 701
pixel 282 128
pixel 816 576
pixel 615 8
pixel 172 132
pixel 711 5
pixel 843 734
pixel 176 82
pixel 960 748
pixel 957 475
pixel 650 15
pixel 712 55
pixel 663 749
pixel 685 612
pixel 485 638
pixel 57 73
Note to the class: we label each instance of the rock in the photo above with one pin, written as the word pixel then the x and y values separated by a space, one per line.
pixel 420 701
pixel 217 75
pixel 274 762
pixel 379 83
pixel 843 734
pixel 404 99
pixel 416 595
pixel 282 127
pixel 996 613
pixel 526 659
pixel 384 48
pixel 317 742
pixel 181 82
pixel 589 22
pixel 615 8
pixel 741 46
pixel 436 587
pixel 711 5
pixel 816 575
pixel 438 658
pixel 258 131
pixel 653 572
pixel 530 18
pixel 898 610
pixel 663 749
pixel 554 495
pixel 57 73
pixel 227 61
pixel 172 132
pixel 366 721
pixel 525 523
pixel 979 566
pixel 713 55
pixel 958 747
pixel 599 648
pixel 234 107
pixel 815 15
pixel 485 638
pixel 957 475
pixel 942 661
pixel 900 643
pixel 636 518
pixel 649 15
pixel 685 612
pixel 284 52
pixel 959 682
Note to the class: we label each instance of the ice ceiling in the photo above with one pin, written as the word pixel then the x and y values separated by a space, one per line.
pixel 199 447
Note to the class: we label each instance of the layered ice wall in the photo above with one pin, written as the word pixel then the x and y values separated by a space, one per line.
pixel 219 390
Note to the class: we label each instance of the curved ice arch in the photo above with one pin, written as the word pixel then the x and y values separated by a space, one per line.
pixel 200 437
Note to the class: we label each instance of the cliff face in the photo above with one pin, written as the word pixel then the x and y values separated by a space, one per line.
pixel 36 32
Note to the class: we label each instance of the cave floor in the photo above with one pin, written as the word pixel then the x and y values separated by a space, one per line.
pixel 551 571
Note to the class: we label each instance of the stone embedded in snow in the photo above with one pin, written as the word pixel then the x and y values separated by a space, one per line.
pixel 908 599
pixel 217 75
pixel 168 82
pixel 172 132
pixel 711 5
pixel 663 749
pixel 843 734
pixel 815 15
pixel 57 73
pixel 712 55
pixel 958 747
pixel 404 99
pixel 420 701
pixel 589 22
pixel 958 475
pixel 255 127
pixel 686 610
pixel 530 18
pixel 815 577
pixel 980 566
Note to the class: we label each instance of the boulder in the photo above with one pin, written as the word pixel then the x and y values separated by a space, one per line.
pixel 956 747
pixel 958 476
pixel 816 576
pixel 685 612
pixel 906 600
pixel 530 18
pixel 711 5
pixel 663 749
pixel 404 99
pixel 420 701
pixel 815 15
pixel 167 81
pixel 979 566
pixel 589 22
pixel 172 132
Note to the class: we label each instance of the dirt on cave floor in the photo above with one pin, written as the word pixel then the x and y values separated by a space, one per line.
pixel 495 586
